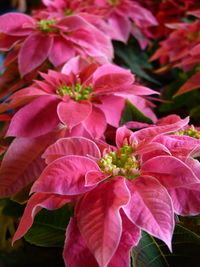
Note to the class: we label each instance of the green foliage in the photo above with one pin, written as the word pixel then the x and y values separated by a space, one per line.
pixel 11 208
pixel 183 105
pixel 152 252
pixel 27 255
pixel 132 57
pixel 49 227
pixel 132 113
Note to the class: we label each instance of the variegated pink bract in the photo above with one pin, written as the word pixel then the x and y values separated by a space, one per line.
pixel 118 19
pixel 183 144
pixel 128 17
pixel 116 192
pixel 82 96
pixel 52 37
pixel 185 55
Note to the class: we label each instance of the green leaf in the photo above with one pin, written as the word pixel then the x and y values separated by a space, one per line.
pixel 135 59
pixel 11 208
pixel 27 255
pixel 49 227
pixel 132 113
pixel 152 252
pixel 195 112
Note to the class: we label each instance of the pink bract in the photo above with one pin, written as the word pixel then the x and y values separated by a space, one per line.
pixel 45 37
pixel 115 190
pixel 128 17
pixel 81 96
pixel 22 163
pixel 185 55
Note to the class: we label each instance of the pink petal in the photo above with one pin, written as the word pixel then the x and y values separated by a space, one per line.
pixel 86 73
pixel 61 51
pixel 139 36
pixel 112 112
pixel 72 23
pixel 95 123
pixel 122 136
pixel 195 51
pixel 36 118
pixel 45 86
pixel 16 24
pixel 79 146
pixel 22 163
pixel 78 130
pixel 33 52
pixel 71 113
pixel 172 118
pixel 151 132
pixel 130 237
pixel 143 105
pixel 170 171
pixel 21 97
pixel 65 176
pixel 95 177
pixel 194 164
pixel 35 204
pixel 141 90
pixel 121 27
pixel 151 147
pixel 75 252
pixel 110 76
pixel 151 208
pixel 92 41
pixel 137 125
pixel 7 41
pixel 50 78
pixel 75 65
pixel 186 200
pixel 196 150
pixel 99 219
pixel 181 145
pixel 192 84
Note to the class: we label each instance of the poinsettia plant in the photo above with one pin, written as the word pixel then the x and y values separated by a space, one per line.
pixel 100 138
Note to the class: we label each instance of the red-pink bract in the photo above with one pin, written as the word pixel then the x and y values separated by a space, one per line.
pixel 84 90
pixel 105 199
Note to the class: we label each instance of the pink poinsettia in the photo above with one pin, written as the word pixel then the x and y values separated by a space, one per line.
pixel 88 10
pixel 83 97
pixel 128 17
pixel 52 38
pixel 183 144
pixel 118 19
pixel 67 7
pixel 168 11
pixel 187 53
pixel 116 193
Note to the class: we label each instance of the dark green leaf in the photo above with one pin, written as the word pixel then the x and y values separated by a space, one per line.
pixel 135 59
pixel 27 255
pixel 11 208
pixel 132 113
pixel 152 252
pixel 49 228
pixel 195 112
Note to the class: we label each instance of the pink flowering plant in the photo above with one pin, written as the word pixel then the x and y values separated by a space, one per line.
pixel 99 153
pixel 55 39
pixel 112 188
pixel 86 91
